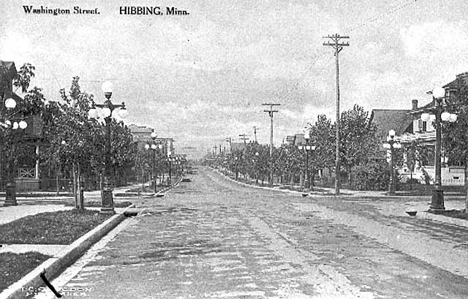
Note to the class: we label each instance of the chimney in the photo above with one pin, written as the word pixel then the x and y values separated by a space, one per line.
pixel 415 104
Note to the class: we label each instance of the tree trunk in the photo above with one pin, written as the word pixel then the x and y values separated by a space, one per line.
pixel 411 180
pixel 350 178
pixel 466 185
pixel 80 202
pixel 57 183
pixel 75 191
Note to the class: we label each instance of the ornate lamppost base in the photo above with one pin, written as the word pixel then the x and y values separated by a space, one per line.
pixel 107 202
pixel 10 195
pixel 437 203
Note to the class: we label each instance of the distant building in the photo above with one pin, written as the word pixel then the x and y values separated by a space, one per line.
pixel 240 146
pixel 296 140
pixel 142 136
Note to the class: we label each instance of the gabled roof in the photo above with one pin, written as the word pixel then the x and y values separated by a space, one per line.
pixel 462 79
pixel 7 67
pixel 391 119
pixel 7 73
pixel 238 146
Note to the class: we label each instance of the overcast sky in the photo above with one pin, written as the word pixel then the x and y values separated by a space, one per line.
pixel 202 77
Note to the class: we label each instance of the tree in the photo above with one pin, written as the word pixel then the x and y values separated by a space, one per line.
pixel 455 135
pixel 322 135
pixel 359 143
pixel 23 77
pixel 73 139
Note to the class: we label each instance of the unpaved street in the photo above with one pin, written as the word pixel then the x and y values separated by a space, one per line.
pixel 214 238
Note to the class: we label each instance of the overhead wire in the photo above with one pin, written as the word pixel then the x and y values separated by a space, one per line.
pixel 394 7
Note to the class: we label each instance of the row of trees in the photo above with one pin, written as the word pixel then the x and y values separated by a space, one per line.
pixel 71 143
pixel 364 163
pixel 361 156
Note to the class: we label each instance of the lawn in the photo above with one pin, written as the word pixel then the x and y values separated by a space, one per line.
pixel 14 266
pixel 61 228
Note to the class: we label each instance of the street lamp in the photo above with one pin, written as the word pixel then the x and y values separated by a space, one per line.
pixel 307 148
pixel 106 112
pixel 10 188
pixel 439 115
pixel 153 147
pixel 391 145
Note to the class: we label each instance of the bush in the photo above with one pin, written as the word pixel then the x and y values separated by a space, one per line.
pixel 372 176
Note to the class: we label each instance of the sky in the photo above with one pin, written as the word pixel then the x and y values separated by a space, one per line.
pixel 203 77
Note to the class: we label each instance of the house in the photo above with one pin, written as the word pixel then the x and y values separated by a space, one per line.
pixel 411 129
pixel 27 173
pixel 296 140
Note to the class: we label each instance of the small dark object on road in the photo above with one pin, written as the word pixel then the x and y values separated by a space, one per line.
pixel 186 180
pixel 411 213
pixel 304 194
pixel 132 212
pixel 159 195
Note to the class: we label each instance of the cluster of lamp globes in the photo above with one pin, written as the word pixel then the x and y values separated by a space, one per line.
pixel 391 142
pixel 104 112
pixel 153 146
pixel 306 147
pixel 439 93
pixel 11 104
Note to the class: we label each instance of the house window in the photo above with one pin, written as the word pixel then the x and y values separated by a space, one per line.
pixel 422 125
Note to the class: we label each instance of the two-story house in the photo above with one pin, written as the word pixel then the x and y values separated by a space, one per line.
pixel 412 130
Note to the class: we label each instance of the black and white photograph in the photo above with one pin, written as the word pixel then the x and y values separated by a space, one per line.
pixel 234 149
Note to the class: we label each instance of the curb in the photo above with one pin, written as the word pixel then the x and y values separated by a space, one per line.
pixel 54 266
pixel 255 186
pixel 440 218
pixel 161 192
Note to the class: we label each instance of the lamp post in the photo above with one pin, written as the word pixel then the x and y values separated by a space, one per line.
pixel 438 94
pixel 307 148
pixel 153 147
pixel 106 113
pixel 391 145
pixel 169 160
pixel 10 188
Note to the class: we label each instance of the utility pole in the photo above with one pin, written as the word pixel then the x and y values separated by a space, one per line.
pixel 244 138
pixel 337 46
pixel 255 133
pixel 229 140
pixel 271 113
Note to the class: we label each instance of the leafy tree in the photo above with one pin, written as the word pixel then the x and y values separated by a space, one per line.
pixel 358 139
pixel 322 134
pixel 73 139
pixel 455 135
pixel 23 77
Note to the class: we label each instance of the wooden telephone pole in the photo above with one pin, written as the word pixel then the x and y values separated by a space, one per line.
pixel 337 46
pixel 271 113
pixel 255 133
